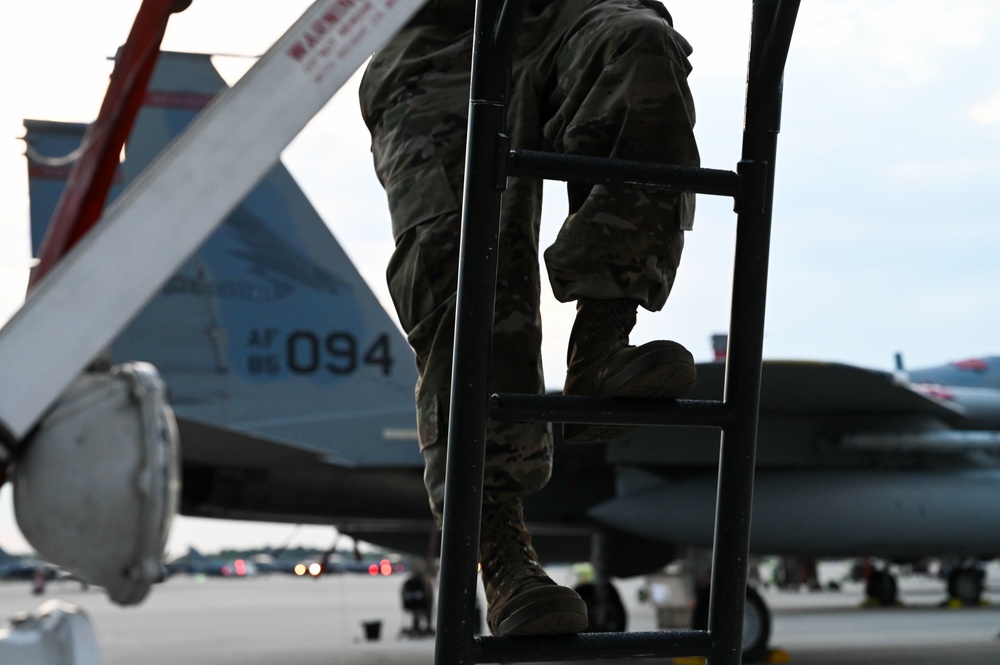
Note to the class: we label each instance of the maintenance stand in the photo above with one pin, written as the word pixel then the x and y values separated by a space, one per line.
pixel 489 161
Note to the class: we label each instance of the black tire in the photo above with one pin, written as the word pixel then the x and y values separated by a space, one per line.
pixel 756 627
pixel 614 616
pixel 756 623
pixel 881 587
pixel 965 584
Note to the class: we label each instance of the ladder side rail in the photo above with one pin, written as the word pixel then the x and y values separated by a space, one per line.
pixel 771 67
pixel 476 297
pixel 743 365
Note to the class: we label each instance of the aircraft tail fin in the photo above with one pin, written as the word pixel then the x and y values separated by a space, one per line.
pixel 268 332
pixel 981 372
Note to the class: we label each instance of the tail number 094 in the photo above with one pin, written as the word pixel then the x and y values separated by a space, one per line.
pixel 336 353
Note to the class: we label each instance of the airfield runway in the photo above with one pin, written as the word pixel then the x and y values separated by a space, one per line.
pixel 280 620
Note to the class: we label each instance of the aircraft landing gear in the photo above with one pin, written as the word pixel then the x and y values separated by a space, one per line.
pixel 605 610
pixel 881 587
pixel 965 584
pixel 756 623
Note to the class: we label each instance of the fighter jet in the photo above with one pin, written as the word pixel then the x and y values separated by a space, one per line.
pixel 289 380
pixel 293 391
pixel 198 564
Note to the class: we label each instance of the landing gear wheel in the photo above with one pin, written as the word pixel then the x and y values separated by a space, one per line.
pixel 881 588
pixel 613 619
pixel 756 623
pixel 965 584
pixel 756 627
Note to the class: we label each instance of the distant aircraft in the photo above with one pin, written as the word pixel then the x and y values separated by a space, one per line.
pixel 25 568
pixel 273 561
pixel 196 563
pixel 294 395
pixel 850 463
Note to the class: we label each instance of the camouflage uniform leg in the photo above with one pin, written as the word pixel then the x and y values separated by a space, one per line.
pixel 415 101
pixel 621 92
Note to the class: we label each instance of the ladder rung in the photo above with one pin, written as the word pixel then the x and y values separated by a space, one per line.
pixel 581 168
pixel 618 410
pixel 594 646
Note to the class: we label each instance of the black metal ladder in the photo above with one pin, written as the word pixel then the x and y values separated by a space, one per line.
pixel 489 160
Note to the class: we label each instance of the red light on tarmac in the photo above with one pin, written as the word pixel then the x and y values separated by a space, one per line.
pixel 241 567
pixel 385 567
pixel 373 569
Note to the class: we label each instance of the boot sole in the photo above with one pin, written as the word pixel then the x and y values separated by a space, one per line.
pixel 666 373
pixel 551 610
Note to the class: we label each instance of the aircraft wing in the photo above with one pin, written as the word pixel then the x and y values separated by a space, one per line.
pixel 815 414
pixel 801 387
pixel 850 462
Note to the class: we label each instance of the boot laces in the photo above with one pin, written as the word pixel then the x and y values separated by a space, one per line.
pixel 506 553
pixel 622 315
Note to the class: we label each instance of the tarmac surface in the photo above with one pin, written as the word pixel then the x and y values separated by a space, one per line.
pixel 278 619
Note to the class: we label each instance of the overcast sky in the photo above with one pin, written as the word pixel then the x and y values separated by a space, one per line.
pixel 884 234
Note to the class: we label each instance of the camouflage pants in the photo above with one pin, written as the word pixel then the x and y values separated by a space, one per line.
pixel 590 77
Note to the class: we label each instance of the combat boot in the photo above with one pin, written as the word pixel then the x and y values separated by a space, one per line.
pixel 600 362
pixel 521 599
